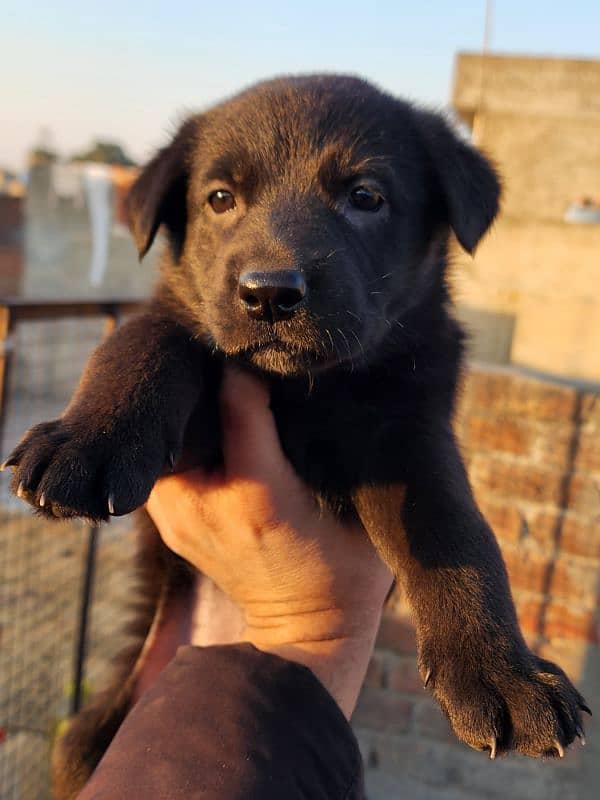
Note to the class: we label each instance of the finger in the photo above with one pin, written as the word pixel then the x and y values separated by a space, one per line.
pixel 251 446
pixel 171 491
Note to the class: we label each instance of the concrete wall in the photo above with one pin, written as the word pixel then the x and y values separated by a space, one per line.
pixel 527 85
pixel 532 451
pixel 545 276
pixel 539 119
pixel 58 249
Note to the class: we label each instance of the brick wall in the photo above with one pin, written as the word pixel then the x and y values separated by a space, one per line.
pixel 533 452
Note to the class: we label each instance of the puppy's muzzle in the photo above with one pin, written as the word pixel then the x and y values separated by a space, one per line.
pixel 272 296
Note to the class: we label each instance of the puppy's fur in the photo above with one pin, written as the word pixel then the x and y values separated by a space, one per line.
pixel 356 194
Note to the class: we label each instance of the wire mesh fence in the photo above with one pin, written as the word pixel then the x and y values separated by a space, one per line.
pixel 43 567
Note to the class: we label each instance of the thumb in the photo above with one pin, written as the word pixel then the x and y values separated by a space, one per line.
pixel 251 446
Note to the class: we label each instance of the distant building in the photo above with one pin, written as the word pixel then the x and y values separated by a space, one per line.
pixel 532 291
pixel 12 190
pixel 11 184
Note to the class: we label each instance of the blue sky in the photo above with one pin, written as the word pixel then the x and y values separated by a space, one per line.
pixel 129 70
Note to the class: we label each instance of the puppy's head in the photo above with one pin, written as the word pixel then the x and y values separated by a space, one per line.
pixel 304 217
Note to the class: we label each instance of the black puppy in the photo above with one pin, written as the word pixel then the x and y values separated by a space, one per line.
pixel 308 221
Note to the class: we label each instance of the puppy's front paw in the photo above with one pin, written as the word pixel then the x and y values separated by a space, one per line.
pixel 73 469
pixel 528 705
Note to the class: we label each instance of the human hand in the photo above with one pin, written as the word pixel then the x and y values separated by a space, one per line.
pixel 306 586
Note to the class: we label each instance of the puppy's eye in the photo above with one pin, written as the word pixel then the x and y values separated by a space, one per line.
pixel 365 199
pixel 221 201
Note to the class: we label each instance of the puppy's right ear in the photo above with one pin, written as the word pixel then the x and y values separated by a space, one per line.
pixel 159 195
pixel 467 183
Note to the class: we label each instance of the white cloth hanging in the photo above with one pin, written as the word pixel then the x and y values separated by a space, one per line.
pixel 97 180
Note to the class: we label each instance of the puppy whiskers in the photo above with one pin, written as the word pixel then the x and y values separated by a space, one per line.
pixel 362 350
pixel 343 335
pixel 380 278
pixel 333 347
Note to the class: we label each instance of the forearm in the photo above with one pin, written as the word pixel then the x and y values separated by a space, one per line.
pixel 335 647
pixel 233 722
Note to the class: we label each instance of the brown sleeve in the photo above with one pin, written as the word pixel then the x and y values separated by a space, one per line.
pixel 231 723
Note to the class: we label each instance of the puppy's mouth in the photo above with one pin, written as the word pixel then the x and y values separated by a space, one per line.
pixel 283 358
pixel 305 350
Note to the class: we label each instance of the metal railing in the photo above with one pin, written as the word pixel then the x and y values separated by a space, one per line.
pixel 47 569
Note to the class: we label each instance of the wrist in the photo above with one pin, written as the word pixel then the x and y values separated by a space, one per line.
pixel 338 656
pixel 335 644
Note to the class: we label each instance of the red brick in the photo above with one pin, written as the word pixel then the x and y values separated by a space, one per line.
pixel 553 443
pixel 583 493
pixel 563 622
pixel 571 533
pixel 497 433
pixel 513 479
pixel 507 392
pixel 590 409
pixel 580 536
pixel 527 570
pixel 544 528
pixel 553 619
pixel 505 519
pixel 403 676
pixel 587 455
pixel 396 634
pixel 530 613
pixel 575 579
pixel 571 655
pixel 383 711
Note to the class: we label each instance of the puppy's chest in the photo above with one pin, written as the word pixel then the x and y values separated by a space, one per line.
pixel 340 433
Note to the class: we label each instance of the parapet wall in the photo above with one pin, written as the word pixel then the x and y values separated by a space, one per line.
pixel 533 452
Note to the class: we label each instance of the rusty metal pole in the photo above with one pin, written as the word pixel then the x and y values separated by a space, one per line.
pixel 6 327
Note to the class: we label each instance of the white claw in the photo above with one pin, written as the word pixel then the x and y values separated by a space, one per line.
pixel 427 677
pixel 111 504
pixel 42 500
pixel 559 748
pixel 493 749
pixel 20 490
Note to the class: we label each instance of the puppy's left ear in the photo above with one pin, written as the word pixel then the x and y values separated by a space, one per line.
pixel 469 184
pixel 159 195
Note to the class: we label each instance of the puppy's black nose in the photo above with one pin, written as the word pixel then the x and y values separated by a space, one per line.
pixel 272 296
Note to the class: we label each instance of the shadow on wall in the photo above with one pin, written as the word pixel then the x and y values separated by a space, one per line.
pixel 490 334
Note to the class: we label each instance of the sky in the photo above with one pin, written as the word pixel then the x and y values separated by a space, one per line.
pixel 129 71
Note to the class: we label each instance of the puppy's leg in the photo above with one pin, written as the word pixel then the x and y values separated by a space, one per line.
pixel 123 427
pixel 496 693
